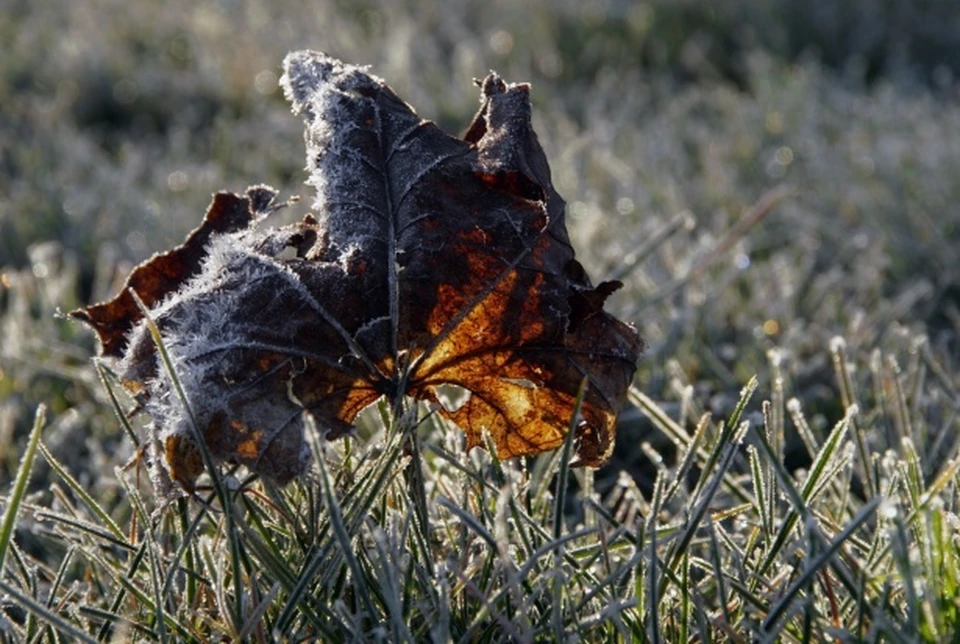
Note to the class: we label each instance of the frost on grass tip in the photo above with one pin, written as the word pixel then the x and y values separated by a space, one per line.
pixel 430 260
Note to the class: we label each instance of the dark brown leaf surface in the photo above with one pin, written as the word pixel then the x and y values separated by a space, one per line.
pixel 432 261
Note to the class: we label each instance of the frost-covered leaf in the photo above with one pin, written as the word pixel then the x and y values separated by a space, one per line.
pixel 431 261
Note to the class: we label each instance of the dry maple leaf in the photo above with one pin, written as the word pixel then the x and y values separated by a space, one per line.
pixel 431 261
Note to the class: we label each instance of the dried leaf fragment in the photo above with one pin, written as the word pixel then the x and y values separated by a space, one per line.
pixel 431 261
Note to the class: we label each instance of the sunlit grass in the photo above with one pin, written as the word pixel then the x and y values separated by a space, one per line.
pixel 748 549
pixel 787 463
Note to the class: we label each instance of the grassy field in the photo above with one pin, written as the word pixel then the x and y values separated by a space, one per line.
pixel 777 188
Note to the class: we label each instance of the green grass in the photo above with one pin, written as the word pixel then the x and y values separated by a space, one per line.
pixel 747 550
pixel 788 232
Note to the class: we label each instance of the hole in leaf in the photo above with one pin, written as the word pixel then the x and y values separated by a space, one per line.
pixel 452 397
pixel 287 253
pixel 521 382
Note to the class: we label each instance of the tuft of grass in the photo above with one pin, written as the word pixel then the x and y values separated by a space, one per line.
pixel 748 550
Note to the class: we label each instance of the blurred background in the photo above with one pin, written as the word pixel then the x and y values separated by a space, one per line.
pixel 665 123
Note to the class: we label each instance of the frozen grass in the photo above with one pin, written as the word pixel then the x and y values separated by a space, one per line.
pixel 760 207
pixel 402 537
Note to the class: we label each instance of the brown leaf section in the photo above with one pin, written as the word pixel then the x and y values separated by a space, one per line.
pixel 432 261
pixel 164 273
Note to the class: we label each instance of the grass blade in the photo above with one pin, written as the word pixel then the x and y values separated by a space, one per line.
pixel 559 508
pixel 44 614
pixel 812 567
pixel 83 495
pixel 20 483
pixel 115 403
pixel 653 597
pixel 703 503
pixel 208 462
pixel 344 541
pixel 800 499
